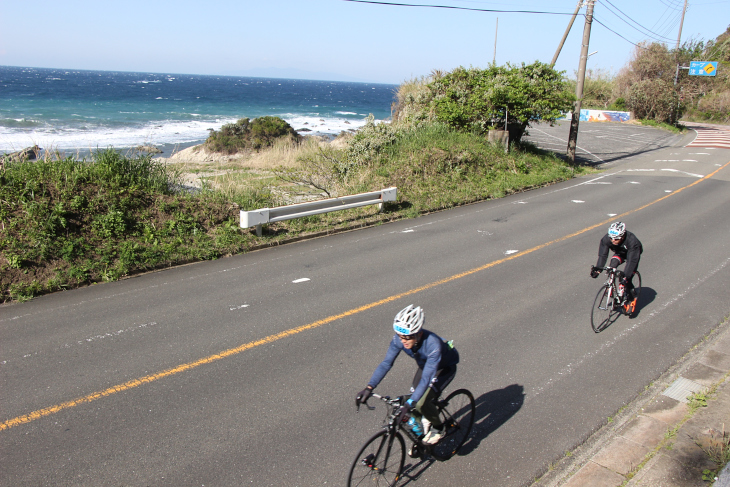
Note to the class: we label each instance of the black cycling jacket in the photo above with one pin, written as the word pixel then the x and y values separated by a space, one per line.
pixel 629 250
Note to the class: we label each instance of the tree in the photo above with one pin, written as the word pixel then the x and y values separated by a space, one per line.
pixel 480 99
pixel 648 81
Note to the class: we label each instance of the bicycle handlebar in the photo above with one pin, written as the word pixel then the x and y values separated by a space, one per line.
pixel 607 269
pixel 386 399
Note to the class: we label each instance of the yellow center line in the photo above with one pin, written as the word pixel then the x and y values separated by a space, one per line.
pixel 27 418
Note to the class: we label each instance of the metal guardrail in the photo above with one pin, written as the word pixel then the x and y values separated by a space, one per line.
pixel 256 218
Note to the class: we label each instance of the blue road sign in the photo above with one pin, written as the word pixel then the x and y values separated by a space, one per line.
pixel 703 68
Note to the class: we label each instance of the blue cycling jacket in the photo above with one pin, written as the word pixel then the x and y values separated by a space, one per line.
pixel 432 355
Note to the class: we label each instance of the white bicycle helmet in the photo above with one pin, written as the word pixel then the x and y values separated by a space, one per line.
pixel 617 230
pixel 409 320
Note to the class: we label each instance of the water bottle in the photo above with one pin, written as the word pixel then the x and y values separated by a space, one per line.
pixel 620 290
pixel 415 426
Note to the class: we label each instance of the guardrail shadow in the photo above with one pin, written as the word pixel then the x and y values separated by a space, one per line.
pixel 493 409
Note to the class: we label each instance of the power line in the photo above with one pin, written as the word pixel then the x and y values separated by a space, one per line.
pixel 677 6
pixel 669 23
pixel 673 26
pixel 648 31
pixel 622 37
pixel 458 8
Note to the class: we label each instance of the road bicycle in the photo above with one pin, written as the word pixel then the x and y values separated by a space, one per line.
pixel 380 460
pixel 607 306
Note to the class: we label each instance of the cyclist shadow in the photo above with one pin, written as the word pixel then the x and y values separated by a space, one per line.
pixel 647 296
pixel 493 409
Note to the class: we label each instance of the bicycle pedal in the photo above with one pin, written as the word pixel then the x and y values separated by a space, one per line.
pixel 414 451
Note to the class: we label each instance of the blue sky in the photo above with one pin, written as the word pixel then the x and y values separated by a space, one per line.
pixel 333 39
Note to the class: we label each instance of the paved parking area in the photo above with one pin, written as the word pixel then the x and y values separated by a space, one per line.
pixel 605 143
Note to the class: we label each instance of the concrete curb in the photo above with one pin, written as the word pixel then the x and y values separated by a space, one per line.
pixel 659 440
pixel 724 478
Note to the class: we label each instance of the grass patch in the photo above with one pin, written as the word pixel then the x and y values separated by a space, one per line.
pixel 677 129
pixel 67 223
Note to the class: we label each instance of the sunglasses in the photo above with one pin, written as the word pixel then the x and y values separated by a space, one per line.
pixel 408 337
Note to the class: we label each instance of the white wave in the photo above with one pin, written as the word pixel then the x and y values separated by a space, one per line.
pixel 317 125
pixel 154 133
pixel 51 137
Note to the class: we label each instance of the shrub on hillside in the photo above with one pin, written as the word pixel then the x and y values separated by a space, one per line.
pixel 249 134
pixel 598 88
pixel 714 107
pixel 370 140
pixel 656 67
pixel 654 99
pixel 68 222
pixel 479 99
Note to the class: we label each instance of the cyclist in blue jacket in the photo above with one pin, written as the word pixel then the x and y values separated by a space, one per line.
pixel 436 361
pixel 626 248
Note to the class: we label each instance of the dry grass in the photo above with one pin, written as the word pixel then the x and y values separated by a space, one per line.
pixel 234 173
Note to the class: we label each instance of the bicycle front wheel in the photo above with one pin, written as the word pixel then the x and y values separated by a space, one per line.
pixel 457 413
pixel 379 462
pixel 602 312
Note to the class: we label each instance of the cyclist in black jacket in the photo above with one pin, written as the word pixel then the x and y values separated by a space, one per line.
pixel 626 248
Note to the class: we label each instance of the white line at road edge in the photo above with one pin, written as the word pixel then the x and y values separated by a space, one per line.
pixel 682 172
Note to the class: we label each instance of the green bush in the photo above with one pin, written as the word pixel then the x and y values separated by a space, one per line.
pixel 370 140
pixel 619 105
pixel 68 222
pixel 479 99
pixel 248 134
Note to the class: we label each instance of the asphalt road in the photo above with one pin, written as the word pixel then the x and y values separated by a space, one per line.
pixel 243 371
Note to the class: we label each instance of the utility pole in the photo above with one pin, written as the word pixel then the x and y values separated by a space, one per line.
pixel 567 31
pixel 681 23
pixel 494 59
pixel 676 59
pixel 573 136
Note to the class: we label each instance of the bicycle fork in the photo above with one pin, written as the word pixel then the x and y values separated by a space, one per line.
pixel 609 298
pixel 371 461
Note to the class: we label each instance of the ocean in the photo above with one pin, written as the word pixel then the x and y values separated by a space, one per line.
pixel 64 109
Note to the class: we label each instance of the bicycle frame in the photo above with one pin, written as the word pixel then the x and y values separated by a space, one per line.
pixel 390 423
pixel 383 454
pixel 612 298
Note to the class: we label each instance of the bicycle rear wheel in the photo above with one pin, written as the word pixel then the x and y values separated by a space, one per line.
pixel 379 462
pixel 457 413
pixel 603 311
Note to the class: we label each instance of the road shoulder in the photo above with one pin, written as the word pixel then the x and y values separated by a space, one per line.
pixel 659 439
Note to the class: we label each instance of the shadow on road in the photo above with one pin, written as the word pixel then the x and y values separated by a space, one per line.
pixel 647 296
pixel 493 409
